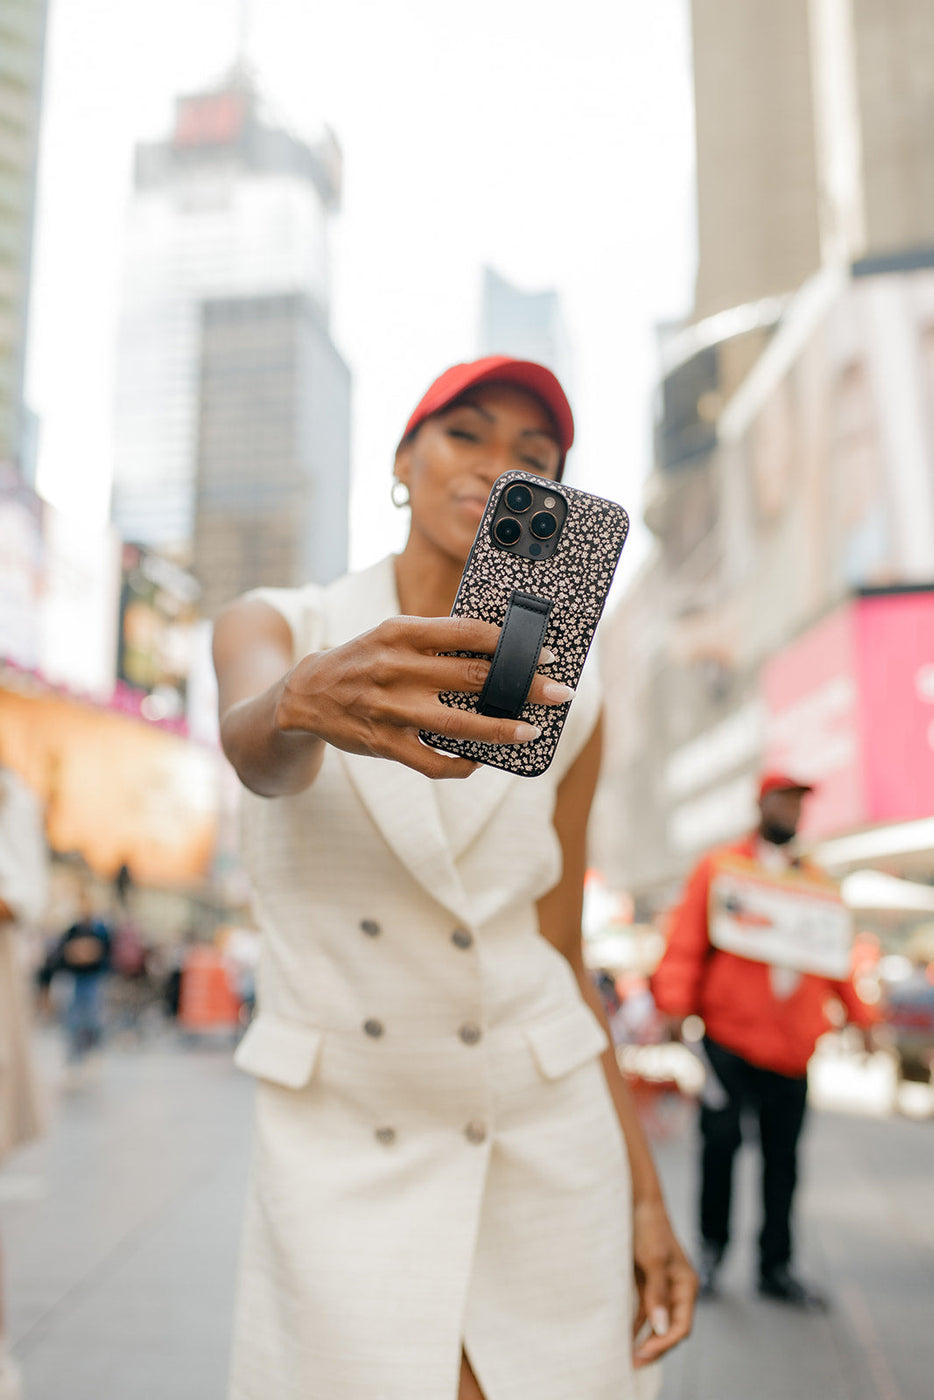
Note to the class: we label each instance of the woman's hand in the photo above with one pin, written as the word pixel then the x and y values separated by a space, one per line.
pixel 665 1280
pixel 373 694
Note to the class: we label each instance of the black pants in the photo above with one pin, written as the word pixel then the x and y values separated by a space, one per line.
pixel 779 1103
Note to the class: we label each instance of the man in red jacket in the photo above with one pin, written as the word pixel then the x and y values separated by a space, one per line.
pixel 758 946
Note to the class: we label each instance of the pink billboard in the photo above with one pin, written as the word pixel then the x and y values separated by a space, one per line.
pixel 850 707
pixel 813 722
pixel 895 658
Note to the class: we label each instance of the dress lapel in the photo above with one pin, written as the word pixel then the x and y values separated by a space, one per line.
pixel 400 801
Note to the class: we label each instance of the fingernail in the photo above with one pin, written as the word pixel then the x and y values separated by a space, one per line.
pixel 659 1321
pixel 546 657
pixel 554 690
pixel 525 733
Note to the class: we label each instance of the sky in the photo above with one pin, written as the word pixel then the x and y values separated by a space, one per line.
pixel 551 141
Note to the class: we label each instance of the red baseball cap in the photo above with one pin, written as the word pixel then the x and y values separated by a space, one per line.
pixel 502 369
pixel 782 782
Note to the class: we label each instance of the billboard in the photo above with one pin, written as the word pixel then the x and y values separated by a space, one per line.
pixel 850 707
pixel 813 726
pixel 210 119
pixel 895 650
pixel 158 615
pixel 114 790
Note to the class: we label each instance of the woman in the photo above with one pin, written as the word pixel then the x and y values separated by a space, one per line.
pixel 440 1201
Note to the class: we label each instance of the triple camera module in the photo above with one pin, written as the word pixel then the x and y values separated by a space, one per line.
pixel 529 519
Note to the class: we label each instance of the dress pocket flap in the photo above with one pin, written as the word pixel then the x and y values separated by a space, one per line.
pixel 281 1051
pixel 566 1039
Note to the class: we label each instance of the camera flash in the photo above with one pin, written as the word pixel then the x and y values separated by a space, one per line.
pixel 550 502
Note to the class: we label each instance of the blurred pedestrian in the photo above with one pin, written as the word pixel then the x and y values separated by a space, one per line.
pixel 741 964
pixel 441 1198
pixel 82 954
pixel 123 884
pixel 23 892
pixel 131 984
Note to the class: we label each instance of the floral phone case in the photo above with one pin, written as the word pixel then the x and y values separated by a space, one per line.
pixel 574 581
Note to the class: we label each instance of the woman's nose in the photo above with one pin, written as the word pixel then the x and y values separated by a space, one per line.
pixel 496 459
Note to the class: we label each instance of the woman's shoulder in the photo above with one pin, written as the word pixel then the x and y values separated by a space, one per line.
pixel 291 603
pixel 322 615
pixel 300 607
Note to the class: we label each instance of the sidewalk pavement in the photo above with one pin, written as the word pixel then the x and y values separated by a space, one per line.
pixel 121 1231
pixel 866 1235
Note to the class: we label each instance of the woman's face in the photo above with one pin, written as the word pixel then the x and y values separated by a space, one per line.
pixel 454 459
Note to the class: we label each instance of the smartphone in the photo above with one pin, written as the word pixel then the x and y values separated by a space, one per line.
pixel 540 567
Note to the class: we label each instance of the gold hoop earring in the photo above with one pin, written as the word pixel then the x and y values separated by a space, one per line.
pixel 398 500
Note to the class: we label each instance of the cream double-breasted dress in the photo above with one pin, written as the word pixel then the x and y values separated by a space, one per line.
pixel 437 1163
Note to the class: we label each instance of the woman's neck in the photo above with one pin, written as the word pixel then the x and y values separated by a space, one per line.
pixel 426 580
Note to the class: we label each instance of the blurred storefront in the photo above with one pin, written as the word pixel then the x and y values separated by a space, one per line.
pixel 116 791
pixel 787 613
pixel 96 644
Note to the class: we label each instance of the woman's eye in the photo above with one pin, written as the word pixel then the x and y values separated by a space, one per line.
pixel 538 467
pixel 462 433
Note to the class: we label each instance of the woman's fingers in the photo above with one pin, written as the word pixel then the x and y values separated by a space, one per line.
pixel 434 634
pixel 467 725
pixel 545 691
pixel 671 1323
pixel 404 744
pixel 666 1283
pixel 433 762
pixel 469 675
pixel 654 1302
pixel 439 635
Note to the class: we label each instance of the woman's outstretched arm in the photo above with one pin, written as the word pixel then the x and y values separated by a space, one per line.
pixel 370 696
pixel 252 657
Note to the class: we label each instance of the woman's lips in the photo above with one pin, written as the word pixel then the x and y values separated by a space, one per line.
pixel 474 506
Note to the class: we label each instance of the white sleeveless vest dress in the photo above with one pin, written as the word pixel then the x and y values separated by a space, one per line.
pixel 437 1161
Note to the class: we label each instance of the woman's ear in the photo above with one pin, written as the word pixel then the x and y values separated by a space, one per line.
pixel 402 465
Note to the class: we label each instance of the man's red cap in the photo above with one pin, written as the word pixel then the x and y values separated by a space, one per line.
pixel 502 369
pixel 782 782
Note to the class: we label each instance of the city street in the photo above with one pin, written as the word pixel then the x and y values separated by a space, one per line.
pixel 121 1233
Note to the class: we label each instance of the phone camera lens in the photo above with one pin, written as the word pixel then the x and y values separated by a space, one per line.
pixel 507 530
pixel 518 498
pixel 543 525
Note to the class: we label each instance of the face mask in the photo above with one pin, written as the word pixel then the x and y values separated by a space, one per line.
pixel 775 834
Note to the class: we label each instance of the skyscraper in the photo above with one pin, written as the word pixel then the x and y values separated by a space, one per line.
pixel 272 499
pixel 227 243
pixel 529 325
pixel 22 47
pixel 813 139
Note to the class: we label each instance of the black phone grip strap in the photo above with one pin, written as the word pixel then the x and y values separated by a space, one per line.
pixel 516 658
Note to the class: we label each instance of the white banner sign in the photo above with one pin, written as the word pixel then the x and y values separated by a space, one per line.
pixel 787 922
